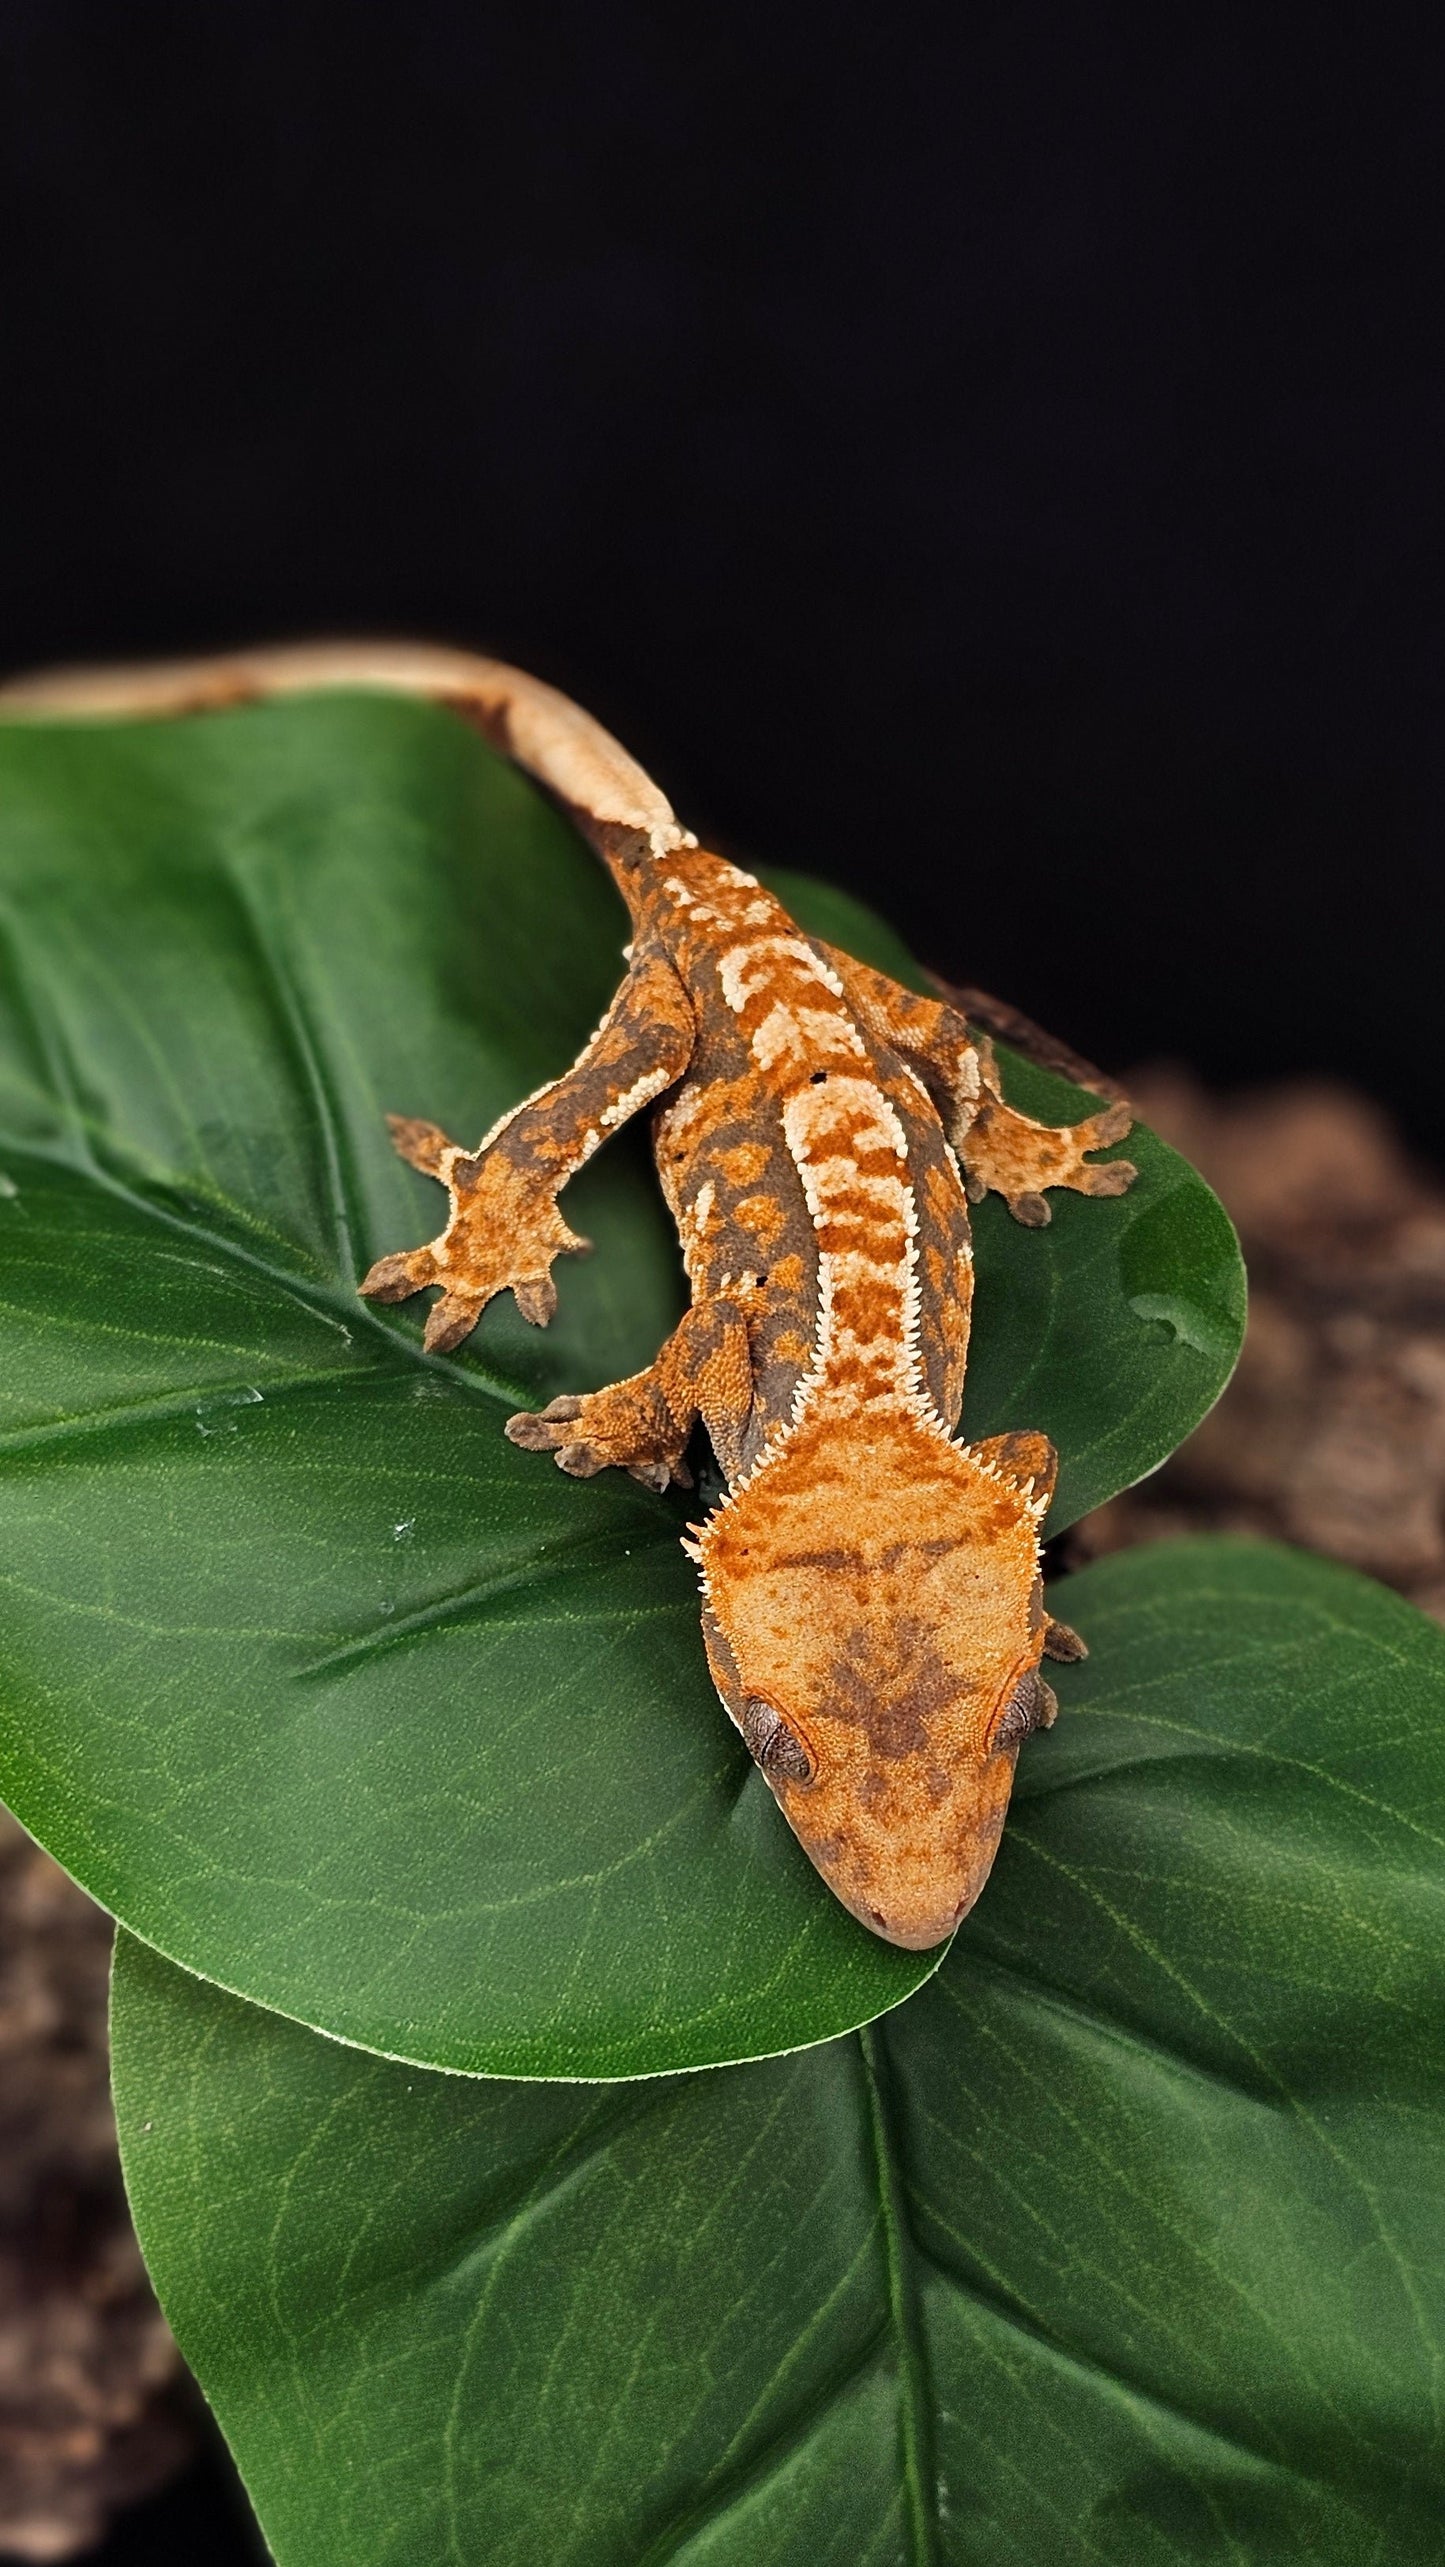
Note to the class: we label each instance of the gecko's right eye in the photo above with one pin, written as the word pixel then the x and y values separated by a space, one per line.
pixel 773 1745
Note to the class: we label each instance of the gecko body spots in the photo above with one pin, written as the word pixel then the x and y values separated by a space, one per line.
pixel 742 1163
pixel 762 1216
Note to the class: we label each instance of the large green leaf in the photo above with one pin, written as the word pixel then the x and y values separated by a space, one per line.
pixel 1120 2244
pixel 309 1676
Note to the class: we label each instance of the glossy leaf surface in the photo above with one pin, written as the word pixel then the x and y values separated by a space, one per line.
pixel 310 1677
pixel 1119 2244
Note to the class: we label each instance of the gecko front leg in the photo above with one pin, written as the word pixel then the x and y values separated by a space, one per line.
pixel 505 1228
pixel 642 1425
pixel 1002 1151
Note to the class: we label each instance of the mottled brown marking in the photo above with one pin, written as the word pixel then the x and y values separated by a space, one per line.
pixel 791 1347
pixel 763 1215
pixel 743 1163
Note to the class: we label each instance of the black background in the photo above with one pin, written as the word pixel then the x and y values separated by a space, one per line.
pixel 991 454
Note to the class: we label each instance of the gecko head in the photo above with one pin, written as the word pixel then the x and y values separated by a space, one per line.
pixel 874 1621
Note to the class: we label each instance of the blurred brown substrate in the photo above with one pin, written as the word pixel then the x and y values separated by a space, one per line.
pixel 1331 1435
pixel 88 2415
pixel 1332 1432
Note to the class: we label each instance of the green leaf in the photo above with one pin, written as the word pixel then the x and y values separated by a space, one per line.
pixel 311 1678
pixel 1119 2245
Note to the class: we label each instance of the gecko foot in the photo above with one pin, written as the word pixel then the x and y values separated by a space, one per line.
pixel 1063 1643
pixel 628 1427
pixel 503 1234
pixel 1007 1153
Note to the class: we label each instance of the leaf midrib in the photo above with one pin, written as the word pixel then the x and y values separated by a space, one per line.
pixel 920 2475
pixel 327 1301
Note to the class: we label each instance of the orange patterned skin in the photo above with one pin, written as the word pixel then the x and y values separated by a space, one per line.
pixel 871 1600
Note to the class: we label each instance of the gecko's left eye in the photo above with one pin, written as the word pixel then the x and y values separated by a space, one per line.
pixel 773 1745
pixel 1034 1705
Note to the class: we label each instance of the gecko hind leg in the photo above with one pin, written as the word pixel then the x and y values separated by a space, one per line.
pixel 1007 1153
pixel 642 1424
pixel 1001 1150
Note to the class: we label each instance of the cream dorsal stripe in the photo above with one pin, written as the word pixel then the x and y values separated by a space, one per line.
pixel 849 1148
pixel 851 1154
pixel 542 730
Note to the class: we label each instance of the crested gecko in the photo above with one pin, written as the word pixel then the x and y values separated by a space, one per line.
pixel 872 1604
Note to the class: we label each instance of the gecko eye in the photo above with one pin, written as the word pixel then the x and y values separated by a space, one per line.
pixel 773 1745
pixel 1034 1705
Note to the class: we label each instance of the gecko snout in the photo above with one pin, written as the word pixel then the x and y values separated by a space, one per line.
pixel 919 1934
pixel 920 1914
pixel 905 1842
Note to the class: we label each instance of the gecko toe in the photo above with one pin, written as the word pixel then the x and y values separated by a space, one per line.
pixel 449 1321
pixel 1108 1126
pixel 396 1278
pixel 530 1431
pixel 1062 1643
pixel 1032 1210
pixel 536 1298
pixel 422 1145
pixel 580 1461
pixel 1115 1177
